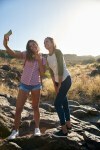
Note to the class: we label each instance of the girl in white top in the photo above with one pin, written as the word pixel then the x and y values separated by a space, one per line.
pixel 62 82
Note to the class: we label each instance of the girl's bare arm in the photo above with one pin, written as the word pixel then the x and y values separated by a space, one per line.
pixel 8 50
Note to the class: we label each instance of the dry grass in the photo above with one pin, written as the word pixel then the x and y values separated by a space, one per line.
pixel 12 62
pixel 83 86
pixel 8 91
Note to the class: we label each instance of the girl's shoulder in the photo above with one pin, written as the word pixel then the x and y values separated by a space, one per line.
pixel 58 52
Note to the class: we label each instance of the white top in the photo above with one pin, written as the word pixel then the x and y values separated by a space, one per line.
pixel 52 62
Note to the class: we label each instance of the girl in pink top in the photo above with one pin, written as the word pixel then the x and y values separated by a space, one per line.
pixel 34 68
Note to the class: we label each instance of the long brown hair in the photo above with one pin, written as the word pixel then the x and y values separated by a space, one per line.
pixel 29 53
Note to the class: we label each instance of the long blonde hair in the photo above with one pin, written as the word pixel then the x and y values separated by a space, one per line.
pixel 52 40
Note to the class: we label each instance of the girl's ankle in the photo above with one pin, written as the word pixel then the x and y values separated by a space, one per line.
pixel 64 129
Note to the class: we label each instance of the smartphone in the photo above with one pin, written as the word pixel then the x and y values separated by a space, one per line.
pixel 9 32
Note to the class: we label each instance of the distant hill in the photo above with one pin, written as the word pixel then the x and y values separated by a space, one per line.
pixel 73 59
pixel 69 58
pixel 3 54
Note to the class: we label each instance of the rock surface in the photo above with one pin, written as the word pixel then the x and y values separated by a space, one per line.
pixel 85 133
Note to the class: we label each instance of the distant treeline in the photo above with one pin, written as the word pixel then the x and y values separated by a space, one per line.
pixel 3 54
pixel 74 59
pixel 70 59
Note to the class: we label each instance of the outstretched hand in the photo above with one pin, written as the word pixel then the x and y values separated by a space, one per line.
pixel 5 40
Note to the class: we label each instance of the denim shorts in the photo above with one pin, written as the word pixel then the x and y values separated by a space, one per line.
pixel 29 88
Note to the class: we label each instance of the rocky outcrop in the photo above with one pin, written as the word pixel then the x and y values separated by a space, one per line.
pixel 96 71
pixel 9 74
pixel 85 133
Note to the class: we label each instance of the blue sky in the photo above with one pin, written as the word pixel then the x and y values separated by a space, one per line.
pixel 74 24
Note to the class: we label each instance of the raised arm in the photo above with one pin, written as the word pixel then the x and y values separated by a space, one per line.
pixel 8 50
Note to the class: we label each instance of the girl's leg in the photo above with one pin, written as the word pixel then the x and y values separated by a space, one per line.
pixel 65 102
pixel 66 108
pixel 60 111
pixel 67 113
pixel 35 104
pixel 21 99
pixel 60 102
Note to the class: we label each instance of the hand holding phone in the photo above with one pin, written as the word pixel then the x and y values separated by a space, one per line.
pixel 6 37
pixel 9 33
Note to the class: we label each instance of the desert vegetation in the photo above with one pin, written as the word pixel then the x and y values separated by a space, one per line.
pixel 84 104
pixel 85 81
pixel 85 86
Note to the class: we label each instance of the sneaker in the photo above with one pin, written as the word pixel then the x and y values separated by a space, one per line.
pixel 60 134
pixel 37 132
pixel 13 135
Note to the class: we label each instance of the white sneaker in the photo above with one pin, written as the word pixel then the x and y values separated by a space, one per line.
pixel 37 132
pixel 13 135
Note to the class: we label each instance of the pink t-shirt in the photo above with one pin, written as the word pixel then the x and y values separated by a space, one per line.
pixel 31 74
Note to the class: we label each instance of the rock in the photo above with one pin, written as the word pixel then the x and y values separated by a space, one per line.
pixel 73 108
pixel 71 102
pixel 48 142
pixel 90 110
pixel 95 72
pixel 79 113
pixel 82 136
pixel 6 67
pixel 10 146
pixel 4 126
pixel 47 107
pixel 93 141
